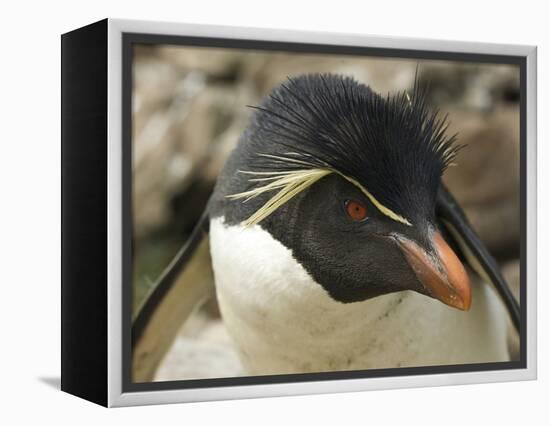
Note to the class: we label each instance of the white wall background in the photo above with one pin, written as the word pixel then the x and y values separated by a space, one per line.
pixel 30 200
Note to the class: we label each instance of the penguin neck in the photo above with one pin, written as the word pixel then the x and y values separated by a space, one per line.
pixel 284 321
pixel 261 286
pixel 263 267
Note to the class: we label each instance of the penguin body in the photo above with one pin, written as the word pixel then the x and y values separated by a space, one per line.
pixel 284 322
pixel 334 244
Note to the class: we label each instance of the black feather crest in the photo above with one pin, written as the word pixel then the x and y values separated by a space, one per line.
pixel 394 146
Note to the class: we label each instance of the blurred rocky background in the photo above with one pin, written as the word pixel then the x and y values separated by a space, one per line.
pixel 190 106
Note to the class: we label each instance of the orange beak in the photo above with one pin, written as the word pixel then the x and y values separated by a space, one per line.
pixel 442 275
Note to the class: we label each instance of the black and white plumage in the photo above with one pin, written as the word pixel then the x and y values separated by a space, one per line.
pixel 325 217
pixel 395 145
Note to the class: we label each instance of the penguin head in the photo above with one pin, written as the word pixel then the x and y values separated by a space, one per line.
pixel 348 179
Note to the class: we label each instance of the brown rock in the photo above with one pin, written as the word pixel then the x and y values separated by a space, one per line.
pixel 485 180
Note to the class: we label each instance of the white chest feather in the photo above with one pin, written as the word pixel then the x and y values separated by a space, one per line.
pixel 285 322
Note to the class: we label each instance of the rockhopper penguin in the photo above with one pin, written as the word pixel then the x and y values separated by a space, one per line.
pixel 334 242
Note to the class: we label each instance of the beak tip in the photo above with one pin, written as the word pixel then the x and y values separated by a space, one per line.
pixel 464 305
pixel 461 301
pixel 467 301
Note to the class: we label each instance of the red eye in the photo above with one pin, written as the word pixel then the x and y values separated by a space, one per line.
pixel 356 210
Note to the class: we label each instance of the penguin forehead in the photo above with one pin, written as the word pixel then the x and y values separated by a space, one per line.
pixel 393 149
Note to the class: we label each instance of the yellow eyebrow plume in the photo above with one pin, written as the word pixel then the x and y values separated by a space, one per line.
pixel 290 184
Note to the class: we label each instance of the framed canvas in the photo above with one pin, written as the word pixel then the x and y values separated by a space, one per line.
pixel 251 212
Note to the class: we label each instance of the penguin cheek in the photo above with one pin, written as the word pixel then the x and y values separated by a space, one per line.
pixel 367 270
pixel 388 271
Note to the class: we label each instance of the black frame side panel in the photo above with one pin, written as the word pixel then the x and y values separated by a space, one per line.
pixel 84 212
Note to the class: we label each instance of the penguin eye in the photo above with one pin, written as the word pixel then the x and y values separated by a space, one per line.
pixel 356 210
